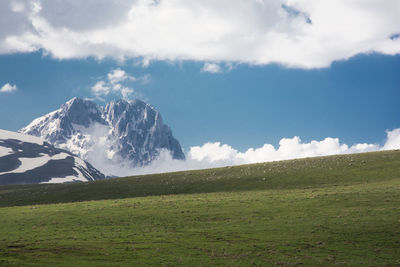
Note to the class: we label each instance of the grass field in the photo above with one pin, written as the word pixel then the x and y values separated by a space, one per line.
pixel 329 211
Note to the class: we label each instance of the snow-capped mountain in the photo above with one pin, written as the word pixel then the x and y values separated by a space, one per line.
pixel 26 159
pixel 121 133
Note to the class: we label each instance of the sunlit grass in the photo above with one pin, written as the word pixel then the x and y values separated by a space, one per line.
pixel 341 210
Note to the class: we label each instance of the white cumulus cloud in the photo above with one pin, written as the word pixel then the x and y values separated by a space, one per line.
pixel 294 33
pixel 393 140
pixel 215 154
pixel 8 88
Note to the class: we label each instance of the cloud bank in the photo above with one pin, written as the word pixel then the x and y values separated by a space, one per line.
pixel 294 33
pixel 212 155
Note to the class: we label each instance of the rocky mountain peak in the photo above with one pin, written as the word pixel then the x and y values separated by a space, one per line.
pixel 121 131
pixel 82 112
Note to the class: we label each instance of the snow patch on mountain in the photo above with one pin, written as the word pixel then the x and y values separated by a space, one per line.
pixel 29 163
pixel 28 159
pixel 23 138
pixel 5 150
pixel 67 179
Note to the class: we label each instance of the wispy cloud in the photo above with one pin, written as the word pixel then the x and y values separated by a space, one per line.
pixel 8 88
pixel 295 33
pixel 118 75
pixel 211 68
pixel 117 83
pixel 17 6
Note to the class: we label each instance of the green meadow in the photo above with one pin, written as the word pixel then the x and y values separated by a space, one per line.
pixel 328 211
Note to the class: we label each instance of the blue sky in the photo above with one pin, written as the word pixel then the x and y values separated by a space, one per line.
pixel 355 100
pixel 240 72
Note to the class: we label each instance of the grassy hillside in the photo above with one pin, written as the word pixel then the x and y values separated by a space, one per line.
pixel 290 174
pixel 330 211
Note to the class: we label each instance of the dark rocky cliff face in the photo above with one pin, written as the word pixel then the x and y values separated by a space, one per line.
pixel 141 131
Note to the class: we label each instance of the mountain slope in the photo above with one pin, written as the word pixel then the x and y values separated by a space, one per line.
pixel 330 211
pixel 122 133
pixel 350 169
pixel 27 159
